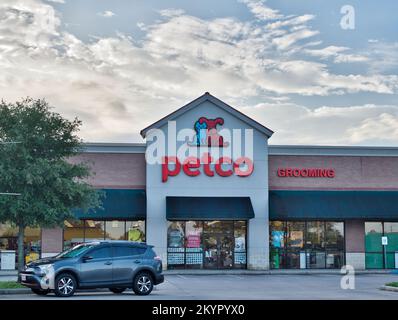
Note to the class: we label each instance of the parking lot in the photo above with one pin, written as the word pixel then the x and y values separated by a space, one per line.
pixel 230 287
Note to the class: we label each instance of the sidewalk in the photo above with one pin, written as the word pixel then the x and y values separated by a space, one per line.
pixel 11 275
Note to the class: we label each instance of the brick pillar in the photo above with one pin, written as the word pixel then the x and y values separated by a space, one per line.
pixel 51 241
pixel 355 243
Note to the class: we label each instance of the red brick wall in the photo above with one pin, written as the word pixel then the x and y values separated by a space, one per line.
pixel 52 240
pixel 115 170
pixel 351 173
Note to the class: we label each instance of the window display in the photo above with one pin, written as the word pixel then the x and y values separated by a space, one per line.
pixel 175 244
pixel 206 244
pixel 193 241
pixel 79 231
pixel 306 244
pixel 135 230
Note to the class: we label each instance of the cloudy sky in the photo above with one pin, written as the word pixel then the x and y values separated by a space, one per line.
pixel 120 65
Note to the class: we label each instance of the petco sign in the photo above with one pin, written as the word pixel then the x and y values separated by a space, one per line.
pixel 224 166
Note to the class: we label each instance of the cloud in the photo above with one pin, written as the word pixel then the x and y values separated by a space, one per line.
pixel 331 125
pixel 118 85
pixel 106 14
pixel 261 11
pixel 338 54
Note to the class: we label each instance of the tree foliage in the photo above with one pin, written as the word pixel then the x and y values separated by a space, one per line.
pixel 35 145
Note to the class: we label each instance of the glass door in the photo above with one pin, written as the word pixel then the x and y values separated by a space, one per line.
pixel 210 243
pixel 218 250
pixel 226 247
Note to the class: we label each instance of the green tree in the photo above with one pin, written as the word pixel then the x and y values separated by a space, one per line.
pixel 35 165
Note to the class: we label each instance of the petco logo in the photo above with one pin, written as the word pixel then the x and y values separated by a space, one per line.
pixel 224 166
pixel 207 134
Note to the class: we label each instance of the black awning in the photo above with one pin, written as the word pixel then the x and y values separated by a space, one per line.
pixel 378 205
pixel 118 204
pixel 209 208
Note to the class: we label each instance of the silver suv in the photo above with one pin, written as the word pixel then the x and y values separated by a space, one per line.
pixel 116 265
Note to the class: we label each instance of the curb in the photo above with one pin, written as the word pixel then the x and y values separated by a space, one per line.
pixel 15 291
pixel 276 273
pixel 388 288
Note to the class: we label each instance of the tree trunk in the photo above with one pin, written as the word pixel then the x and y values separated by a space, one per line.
pixel 21 251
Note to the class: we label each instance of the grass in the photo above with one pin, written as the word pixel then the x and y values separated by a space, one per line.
pixel 392 284
pixel 10 285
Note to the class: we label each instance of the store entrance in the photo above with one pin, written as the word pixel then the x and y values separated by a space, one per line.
pixel 218 249
pixel 209 244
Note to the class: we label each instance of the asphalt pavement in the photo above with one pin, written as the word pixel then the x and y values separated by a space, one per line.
pixel 233 287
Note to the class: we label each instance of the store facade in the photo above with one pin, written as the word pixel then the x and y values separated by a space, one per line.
pixel 209 192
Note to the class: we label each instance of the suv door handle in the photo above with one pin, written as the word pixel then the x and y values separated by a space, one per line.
pixel 108 263
pixel 137 261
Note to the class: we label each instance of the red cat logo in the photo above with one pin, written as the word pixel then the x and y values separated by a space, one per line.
pixel 207 134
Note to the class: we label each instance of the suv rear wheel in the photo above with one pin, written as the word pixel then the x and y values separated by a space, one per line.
pixel 65 285
pixel 143 283
pixel 117 290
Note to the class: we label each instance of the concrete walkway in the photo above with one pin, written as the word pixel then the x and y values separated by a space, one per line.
pixel 11 275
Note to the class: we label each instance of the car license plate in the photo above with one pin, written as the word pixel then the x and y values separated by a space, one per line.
pixel 23 277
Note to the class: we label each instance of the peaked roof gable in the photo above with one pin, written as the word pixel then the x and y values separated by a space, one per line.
pixel 208 97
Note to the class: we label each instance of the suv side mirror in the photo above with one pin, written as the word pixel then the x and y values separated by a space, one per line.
pixel 86 258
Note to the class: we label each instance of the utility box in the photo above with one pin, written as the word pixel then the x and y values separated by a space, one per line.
pixel 7 259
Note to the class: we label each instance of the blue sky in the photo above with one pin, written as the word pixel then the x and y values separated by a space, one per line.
pixel 120 65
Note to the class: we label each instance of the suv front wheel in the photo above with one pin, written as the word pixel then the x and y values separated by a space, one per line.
pixel 65 285
pixel 143 284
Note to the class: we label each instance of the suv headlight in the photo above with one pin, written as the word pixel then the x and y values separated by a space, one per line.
pixel 45 268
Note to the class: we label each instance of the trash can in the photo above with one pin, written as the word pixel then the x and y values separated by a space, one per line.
pixel 7 259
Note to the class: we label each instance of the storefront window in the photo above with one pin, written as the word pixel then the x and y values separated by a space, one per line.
pixel 306 244
pixel 334 244
pixel 176 244
pixel 391 232
pixel 79 231
pixel 277 243
pixel 8 237
pixel 135 230
pixel 32 244
pixel 32 241
pixel 73 233
pixel 240 244
pixel 376 257
pixel 193 244
pixel 373 247
pixel 94 230
pixel 115 230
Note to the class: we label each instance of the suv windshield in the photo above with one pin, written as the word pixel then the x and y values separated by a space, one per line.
pixel 76 250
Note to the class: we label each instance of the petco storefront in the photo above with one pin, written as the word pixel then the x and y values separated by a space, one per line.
pixel 208 192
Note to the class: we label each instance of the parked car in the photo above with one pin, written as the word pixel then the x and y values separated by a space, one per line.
pixel 116 265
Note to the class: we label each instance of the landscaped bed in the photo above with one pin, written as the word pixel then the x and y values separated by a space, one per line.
pixel 392 284
pixel 10 285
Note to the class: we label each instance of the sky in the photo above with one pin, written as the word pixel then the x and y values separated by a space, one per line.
pixel 309 70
